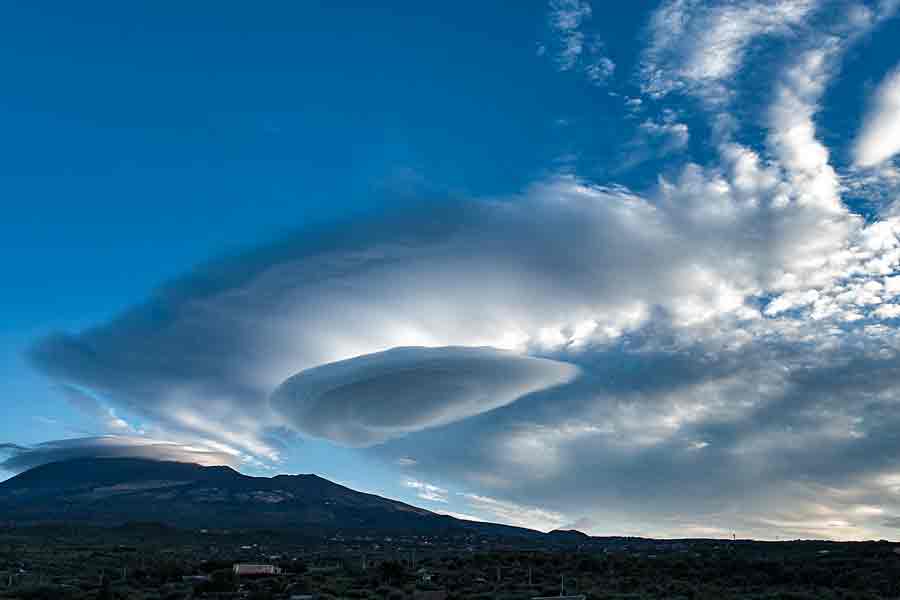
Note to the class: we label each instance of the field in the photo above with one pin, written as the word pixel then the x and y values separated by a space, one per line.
pixel 145 561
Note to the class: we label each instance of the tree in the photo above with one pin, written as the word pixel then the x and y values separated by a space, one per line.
pixel 392 571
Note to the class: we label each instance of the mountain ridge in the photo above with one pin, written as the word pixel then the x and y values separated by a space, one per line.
pixel 112 491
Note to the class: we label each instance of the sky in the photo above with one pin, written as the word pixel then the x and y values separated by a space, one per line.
pixel 627 268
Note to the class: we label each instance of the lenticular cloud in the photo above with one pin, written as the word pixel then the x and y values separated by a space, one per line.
pixel 20 458
pixel 372 398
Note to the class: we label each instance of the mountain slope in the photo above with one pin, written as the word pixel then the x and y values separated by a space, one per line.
pixel 110 491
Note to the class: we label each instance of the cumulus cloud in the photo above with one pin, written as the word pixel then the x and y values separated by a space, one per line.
pixel 879 139
pixel 372 398
pixel 21 458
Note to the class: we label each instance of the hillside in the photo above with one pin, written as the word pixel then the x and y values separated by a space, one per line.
pixel 111 491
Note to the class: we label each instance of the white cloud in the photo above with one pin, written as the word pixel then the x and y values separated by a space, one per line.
pixel 879 139
pixel 600 70
pixel 888 311
pixel 459 515
pixel 668 134
pixel 793 132
pixel 575 50
pixel 427 491
pixel 697 47
pixel 566 18
pixel 634 105
pixel 21 458
pixel 511 513
pixel 104 415
pixel 369 399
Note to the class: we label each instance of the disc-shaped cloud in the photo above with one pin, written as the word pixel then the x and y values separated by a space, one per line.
pixel 372 398
pixel 21 458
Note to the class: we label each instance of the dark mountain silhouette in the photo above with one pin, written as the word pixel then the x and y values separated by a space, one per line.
pixel 569 535
pixel 112 491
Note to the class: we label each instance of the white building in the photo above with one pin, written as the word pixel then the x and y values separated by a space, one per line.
pixel 244 570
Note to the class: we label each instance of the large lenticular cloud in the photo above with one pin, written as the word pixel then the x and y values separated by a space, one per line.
pixel 372 398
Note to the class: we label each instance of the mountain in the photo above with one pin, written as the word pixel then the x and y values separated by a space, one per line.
pixel 112 491
pixel 570 536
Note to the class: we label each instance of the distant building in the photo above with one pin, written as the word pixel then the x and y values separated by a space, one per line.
pixel 580 597
pixel 245 570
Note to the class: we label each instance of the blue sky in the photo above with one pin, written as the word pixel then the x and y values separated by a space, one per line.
pixel 648 247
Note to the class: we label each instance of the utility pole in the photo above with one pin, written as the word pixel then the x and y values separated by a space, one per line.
pixel 529 576
pixel 562 586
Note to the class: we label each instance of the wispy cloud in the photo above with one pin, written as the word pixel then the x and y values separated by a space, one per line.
pixel 566 20
pixel 511 513
pixel 427 491
pixel 879 139
pixel 697 47
pixel 600 70
pixel 575 49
